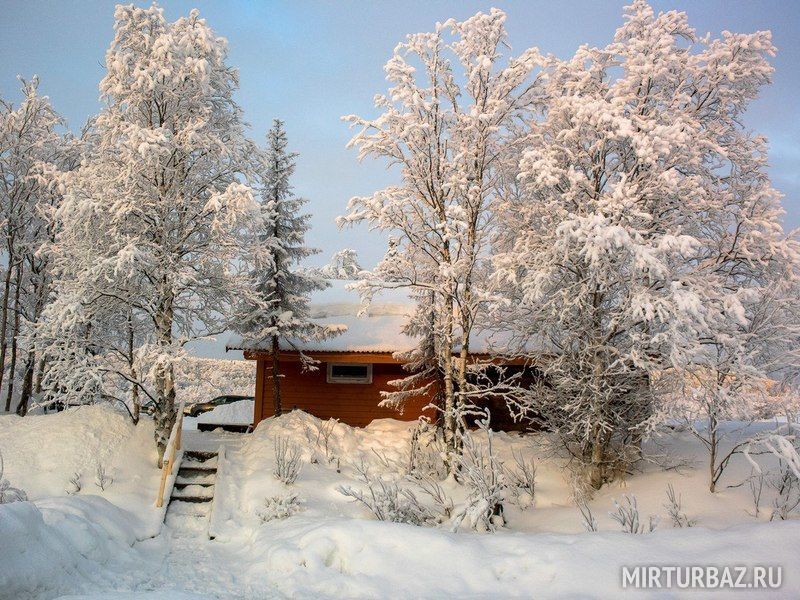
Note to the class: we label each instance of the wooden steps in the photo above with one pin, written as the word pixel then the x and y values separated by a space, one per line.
pixel 194 487
pixel 185 470
pixel 181 485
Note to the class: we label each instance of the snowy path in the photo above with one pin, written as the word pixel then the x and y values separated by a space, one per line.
pixel 194 566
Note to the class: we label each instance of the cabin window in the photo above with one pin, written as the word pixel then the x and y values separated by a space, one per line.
pixel 349 373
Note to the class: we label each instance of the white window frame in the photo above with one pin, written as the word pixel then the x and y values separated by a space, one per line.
pixel 362 380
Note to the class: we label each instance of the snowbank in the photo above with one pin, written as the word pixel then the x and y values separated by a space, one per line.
pixel 67 545
pixel 43 452
pixel 235 413
pixel 366 559
pixel 387 437
pixel 248 477
pixel 334 547
pixel 384 447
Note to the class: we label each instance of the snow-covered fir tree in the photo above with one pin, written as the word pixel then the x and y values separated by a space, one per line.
pixel 647 230
pixel 273 306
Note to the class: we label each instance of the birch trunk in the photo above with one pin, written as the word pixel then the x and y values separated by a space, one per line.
pixel 449 392
pixel 14 333
pixel 27 383
pixel 165 377
pixel 136 404
pixel 4 324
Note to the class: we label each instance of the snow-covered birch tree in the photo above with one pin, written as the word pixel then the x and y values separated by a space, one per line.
pixel 162 193
pixel 272 307
pixel 647 226
pixel 443 123
pixel 32 157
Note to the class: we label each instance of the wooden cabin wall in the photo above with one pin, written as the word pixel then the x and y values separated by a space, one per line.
pixel 355 404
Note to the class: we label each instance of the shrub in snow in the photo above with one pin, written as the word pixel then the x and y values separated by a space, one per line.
pixel 430 487
pixel 627 515
pixel 706 409
pixel 321 438
pixel 361 469
pixel 787 485
pixel 287 460
pixel 279 507
pixel 101 477
pixel 9 494
pixel 426 453
pixel 482 474
pixel 388 502
pixel 386 463
pixel 74 484
pixel 589 522
pixel 756 482
pixel 675 509
pixel 782 443
pixel 522 480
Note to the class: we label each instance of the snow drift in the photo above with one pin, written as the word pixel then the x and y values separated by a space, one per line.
pixel 235 413
pixel 367 559
pixel 66 545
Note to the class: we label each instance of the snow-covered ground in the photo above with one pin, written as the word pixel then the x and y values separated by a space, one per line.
pixel 235 413
pixel 67 538
pixel 96 542
pixel 46 454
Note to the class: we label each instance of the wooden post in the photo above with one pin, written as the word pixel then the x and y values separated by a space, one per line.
pixel 165 469
pixel 173 445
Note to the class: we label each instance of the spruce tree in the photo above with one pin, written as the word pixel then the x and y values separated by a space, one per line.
pixel 274 306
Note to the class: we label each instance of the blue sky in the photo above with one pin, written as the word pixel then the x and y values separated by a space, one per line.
pixel 310 62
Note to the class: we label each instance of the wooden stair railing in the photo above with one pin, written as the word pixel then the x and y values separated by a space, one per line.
pixel 168 463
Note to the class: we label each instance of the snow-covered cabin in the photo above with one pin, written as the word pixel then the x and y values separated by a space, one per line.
pixel 353 368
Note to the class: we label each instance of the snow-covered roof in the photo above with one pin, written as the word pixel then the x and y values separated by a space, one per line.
pixel 379 328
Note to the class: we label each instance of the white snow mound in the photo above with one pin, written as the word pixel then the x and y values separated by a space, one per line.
pixel 41 452
pixel 235 413
pixel 66 545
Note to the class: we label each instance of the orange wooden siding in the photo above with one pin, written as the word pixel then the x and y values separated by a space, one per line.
pixel 355 404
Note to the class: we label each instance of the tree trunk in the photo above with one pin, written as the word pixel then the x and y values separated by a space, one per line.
pixel 712 429
pixel 4 325
pixel 276 376
pixel 597 465
pixel 41 285
pixel 165 377
pixel 136 404
pixel 165 410
pixel 37 388
pixel 466 328
pixel 449 392
pixel 15 332
pixel 27 383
